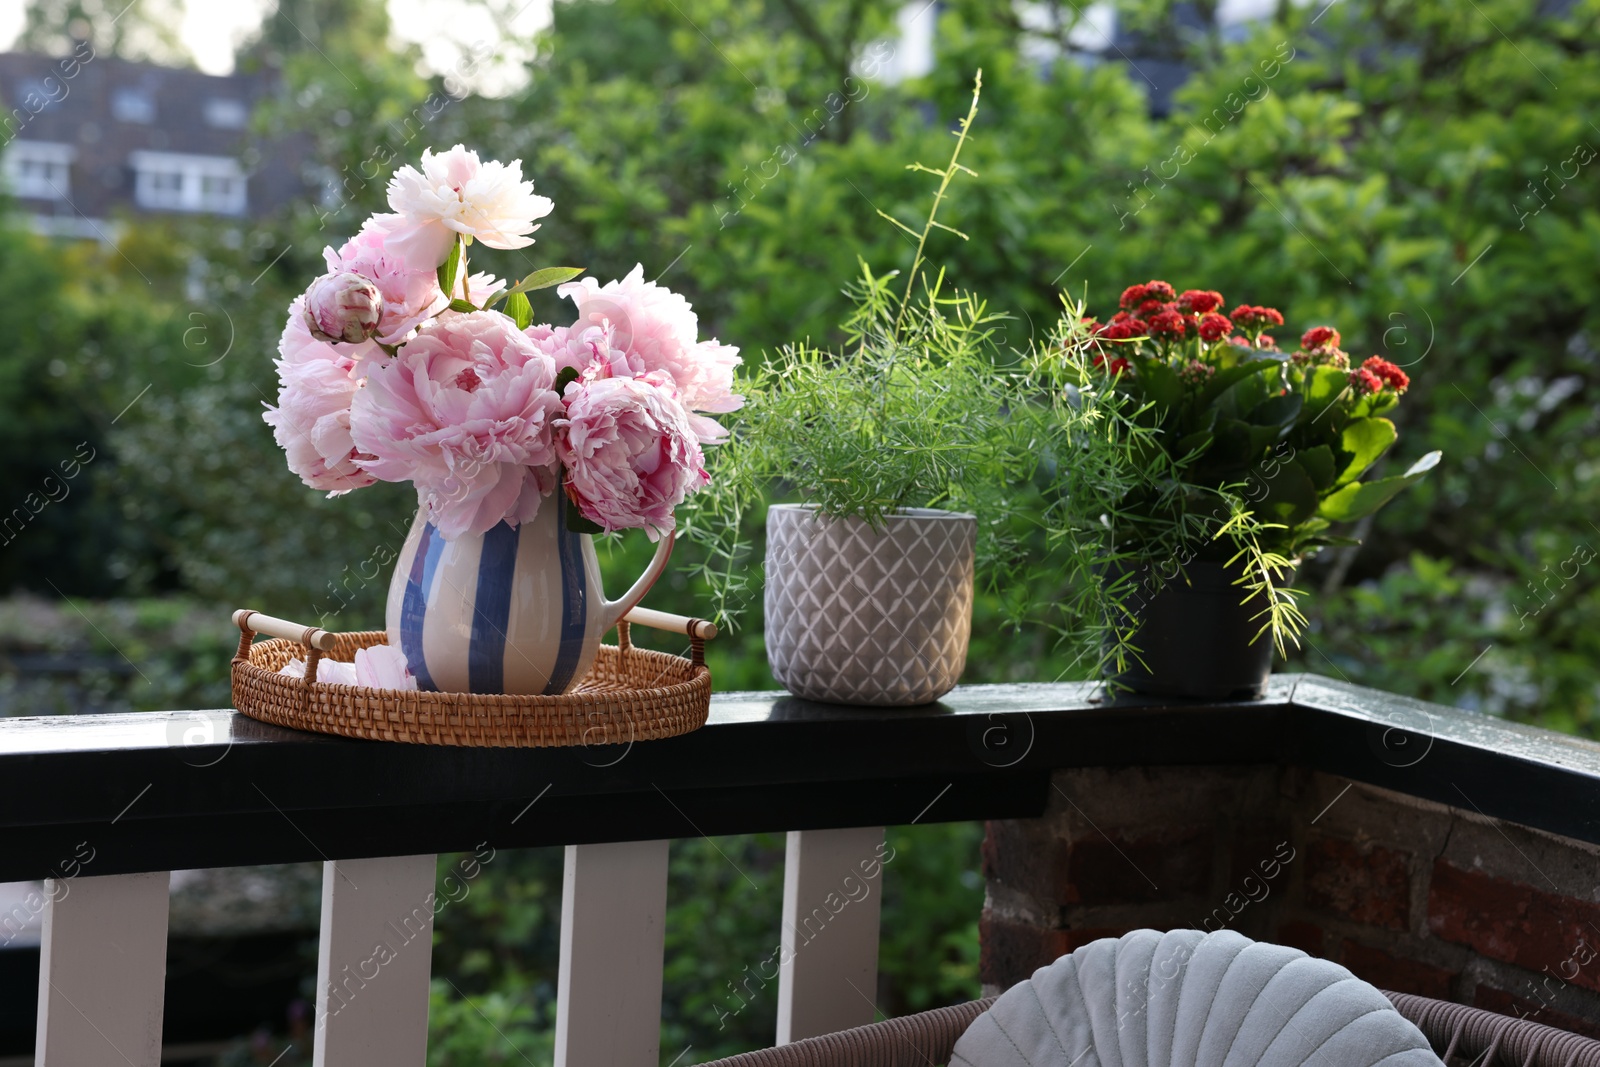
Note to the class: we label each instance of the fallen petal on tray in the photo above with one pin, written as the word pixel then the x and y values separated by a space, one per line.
pixel 378 667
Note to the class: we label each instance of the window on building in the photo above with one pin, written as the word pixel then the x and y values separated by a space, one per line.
pixel 37 94
pixel 133 105
pixel 39 169
pixel 225 113
pixel 169 181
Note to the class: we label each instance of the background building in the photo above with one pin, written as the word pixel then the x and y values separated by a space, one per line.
pixel 88 138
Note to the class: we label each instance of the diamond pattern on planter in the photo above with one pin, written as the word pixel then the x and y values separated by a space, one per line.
pixel 859 616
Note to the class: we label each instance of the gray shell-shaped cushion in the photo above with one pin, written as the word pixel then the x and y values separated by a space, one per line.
pixel 1191 999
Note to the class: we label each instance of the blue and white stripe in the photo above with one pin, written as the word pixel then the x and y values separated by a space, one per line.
pixel 517 610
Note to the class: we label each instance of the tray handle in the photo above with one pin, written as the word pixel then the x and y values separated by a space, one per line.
pixel 699 631
pixel 315 640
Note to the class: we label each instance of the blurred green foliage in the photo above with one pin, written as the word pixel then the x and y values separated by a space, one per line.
pixel 1421 175
pixel 498 946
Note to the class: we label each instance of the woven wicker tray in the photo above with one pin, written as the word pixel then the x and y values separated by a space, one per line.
pixel 631 694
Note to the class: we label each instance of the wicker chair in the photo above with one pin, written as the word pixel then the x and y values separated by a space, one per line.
pixel 1459 1034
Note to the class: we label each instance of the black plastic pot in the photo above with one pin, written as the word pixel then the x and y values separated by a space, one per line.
pixel 1196 635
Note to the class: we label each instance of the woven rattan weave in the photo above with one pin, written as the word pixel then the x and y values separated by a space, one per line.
pixel 631 694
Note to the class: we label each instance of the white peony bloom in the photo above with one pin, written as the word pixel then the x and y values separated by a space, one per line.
pixel 454 194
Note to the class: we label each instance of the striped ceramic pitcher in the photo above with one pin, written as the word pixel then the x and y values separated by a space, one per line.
pixel 516 610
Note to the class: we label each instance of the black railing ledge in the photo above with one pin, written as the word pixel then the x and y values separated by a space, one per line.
pixel 164 790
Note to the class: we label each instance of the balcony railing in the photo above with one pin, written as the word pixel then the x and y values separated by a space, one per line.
pixel 103 806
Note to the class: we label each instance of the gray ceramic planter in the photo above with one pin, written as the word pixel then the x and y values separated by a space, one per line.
pixel 863 616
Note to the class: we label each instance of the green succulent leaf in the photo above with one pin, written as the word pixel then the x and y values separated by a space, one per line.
pixel 1291 496
pixel 1224 379
pixel 1278 411
pixel 1160 381
pixel 1360 499
pixel 1318 463
pixel 1324 385
pixel 1366 440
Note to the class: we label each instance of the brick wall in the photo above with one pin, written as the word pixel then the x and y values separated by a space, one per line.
pixel 1412 896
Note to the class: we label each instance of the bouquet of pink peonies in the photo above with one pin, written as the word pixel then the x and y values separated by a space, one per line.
pixel 400 365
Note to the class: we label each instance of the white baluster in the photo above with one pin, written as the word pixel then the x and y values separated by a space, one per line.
pixel 608 994
pixel 102 971
pixel 373 963
pixel 828 962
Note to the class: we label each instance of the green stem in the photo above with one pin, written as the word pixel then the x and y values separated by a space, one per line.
pixel 944 183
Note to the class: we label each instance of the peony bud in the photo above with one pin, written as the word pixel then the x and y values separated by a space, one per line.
pixel 343 307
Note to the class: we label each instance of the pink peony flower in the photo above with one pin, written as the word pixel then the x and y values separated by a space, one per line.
pixel 630 453
pixel 378 667
pixel 311 422
pixel 312 425
pixel 383 667
pixel 580 347
pixel 296 345
pixel 343 306
pixel 466 412
pixel 456 194
pixel 329 671
pixel 654 330
pixel 410 297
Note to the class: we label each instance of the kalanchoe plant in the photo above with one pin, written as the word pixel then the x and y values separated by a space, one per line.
pixel 1251 454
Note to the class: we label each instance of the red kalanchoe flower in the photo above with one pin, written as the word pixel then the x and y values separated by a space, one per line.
pixel 1132 297
pixel 1319 337
pixel 1159 290
pixel 1168 325
pixel 1200 301
pixel 1365 382
pixel 1125 330
pixel 1116 365
pixel 1252 317
pixel 1214 327
pixel 1121 316
pixel 1391 375
pixel 1154 307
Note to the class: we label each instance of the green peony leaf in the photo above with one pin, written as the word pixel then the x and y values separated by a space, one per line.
pixel 577 523
pixel 449 268
pixel 520 310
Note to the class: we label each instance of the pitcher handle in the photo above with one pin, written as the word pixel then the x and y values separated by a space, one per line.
pixel 616 609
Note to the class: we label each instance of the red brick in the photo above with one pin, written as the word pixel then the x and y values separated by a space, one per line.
pixel 1516 923
pixel 1401 975
pixel 1008 952
pixel 1104 870
pixel 1076 939
pixel 1307 937
pixel 1499 1001
pixel 1023 854
pixel 1256 854
pixel 1371 885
